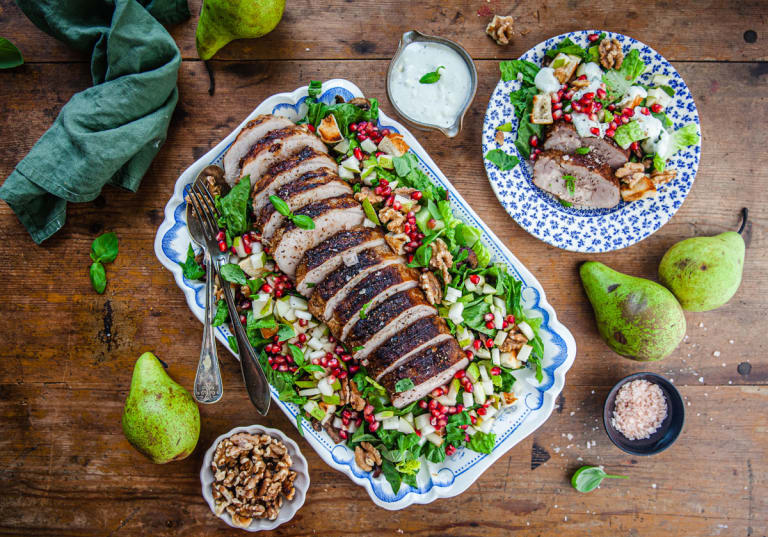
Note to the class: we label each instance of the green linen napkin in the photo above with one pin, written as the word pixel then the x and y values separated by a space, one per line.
pixel 110 132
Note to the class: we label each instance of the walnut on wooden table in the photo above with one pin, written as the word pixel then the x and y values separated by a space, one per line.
pixel 501 29
pixel 251 475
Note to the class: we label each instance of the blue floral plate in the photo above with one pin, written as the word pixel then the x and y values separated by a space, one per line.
pixel 589 230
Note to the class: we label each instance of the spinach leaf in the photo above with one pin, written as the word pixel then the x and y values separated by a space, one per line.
pixel 502 160
pixel 525 130
pixel 233 273
pixel 297 354
pixel 482 442
pixel 588 478
pixel 431 77
pixel 454 434
pixel 433 453
pixel 570 184
pixel 511 68
pixel 285 332
pixel 9 55
pixel 392 475
pixel 190 268
pixel 104 248
pixel 234 207
pixel 222 312
pixel 314 89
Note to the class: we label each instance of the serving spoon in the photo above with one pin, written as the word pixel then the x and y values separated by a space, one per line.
pixel 208 387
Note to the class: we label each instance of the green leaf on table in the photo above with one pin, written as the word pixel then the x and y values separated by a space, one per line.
pixel 10 56
pixel 191 268
pixel 431 77
pixel 303 221
pixel 234 207
pixel 104 248
pixel 98 277
pixel 233 274
pixel 403 385
pixel 502 160
pixel 588 478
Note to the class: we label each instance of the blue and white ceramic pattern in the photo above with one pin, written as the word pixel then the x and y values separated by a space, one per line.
pixel 458 472
pixel 589 230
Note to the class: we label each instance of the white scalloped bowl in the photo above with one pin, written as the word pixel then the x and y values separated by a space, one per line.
pixel 290 507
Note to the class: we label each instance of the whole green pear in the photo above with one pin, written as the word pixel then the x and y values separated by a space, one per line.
pixel 222 21
pixel 704 272
pixel 160 418
pixel 637 318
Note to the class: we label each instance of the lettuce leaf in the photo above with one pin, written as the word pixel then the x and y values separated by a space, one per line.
pixel 626 134
pixel 502 160
pixel 567 46
pixel 482 442
pixel 681 138
pixel 510 69
pixel 620 81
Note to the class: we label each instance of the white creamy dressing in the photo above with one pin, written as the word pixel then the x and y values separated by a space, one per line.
pixel 545 80
pixel 436 104
pixel 649 125
pixel 592 70
pixel 583 125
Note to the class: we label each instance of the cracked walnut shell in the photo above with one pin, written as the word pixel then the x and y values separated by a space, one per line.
pixel 501 29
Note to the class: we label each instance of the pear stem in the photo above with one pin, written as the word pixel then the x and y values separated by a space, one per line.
pixel 744 215
pixel 212 86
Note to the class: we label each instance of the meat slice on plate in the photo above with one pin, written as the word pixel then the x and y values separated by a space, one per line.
pixel 387 320
pixel 330 216
pixel 253 131
pixel 431 367
pixel 330 254
pixel 287 171
pixel 581 180
pixel 312 186
pixel 421 334
pixel 337 284
pixel 374 289
pixel 562 136
pixel 277 146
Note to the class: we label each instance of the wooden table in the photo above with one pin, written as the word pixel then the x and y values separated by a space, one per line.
pixel 65 467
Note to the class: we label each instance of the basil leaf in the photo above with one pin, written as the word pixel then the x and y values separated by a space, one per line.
pixel 583 150
pixel 233 273
pixel 280 205
pixel 314 89
pixel 190 268
pixel 234 208
pixel 298 355
pixel 403 385
pixel 364 309
pixel 502 160
pixel 9 55
pixel 98 277
pixel 432 77
pixel 422 256
pixel 588 478
pixel 285 332
pixel 570 184
pixel 255 285
pixel 565 203
pixel 303 221
pixel 104 248
pixel 222 312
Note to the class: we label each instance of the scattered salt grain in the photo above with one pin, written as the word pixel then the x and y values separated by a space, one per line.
pixel 653 486
pixel 716 354
pixel 569 436
pixel 639 409
pixel 701 325
pixel 701 379
pixel 573 413
pixel 730 341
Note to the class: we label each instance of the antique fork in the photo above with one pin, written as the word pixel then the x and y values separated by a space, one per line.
pixel 253 375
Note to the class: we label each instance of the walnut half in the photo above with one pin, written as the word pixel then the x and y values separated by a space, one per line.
pixel 367 456
pixel 431 287
pixel 501 29
pixel 611 55
pixel 441 259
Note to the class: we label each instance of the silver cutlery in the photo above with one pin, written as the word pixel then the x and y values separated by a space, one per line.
pixel 253 375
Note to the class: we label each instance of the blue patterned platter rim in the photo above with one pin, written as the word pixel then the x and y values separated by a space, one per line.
pixel 459 471
pixel 589 230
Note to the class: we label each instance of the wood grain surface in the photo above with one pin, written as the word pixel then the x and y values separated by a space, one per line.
pixel 65 467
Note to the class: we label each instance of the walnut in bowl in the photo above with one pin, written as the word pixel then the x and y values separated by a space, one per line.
pixel 254 478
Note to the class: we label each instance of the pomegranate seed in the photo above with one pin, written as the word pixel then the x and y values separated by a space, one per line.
pixel 656 107
pixel 595 131
pixel 373 427
pixel 557 106
pixel 378 190
pixel 345 420
pixel 459 408
pixel 576 107
pixel 358 153
pixel 593 37
pixel 417 195
pixel 396 205
pixel 588 96
pixel 504 324
pixel 343 433
pixel 583 77
pixel 473 419
pixel 610 133
pixel 410 258
pixel 534 155
pixel 477 344
pixel 628 112
pixel 634 146
pixel 557 114
pixel 220 236
pixel 346 357
pixel 442 422
pixel 624 120
pixel 568 95
pixel 597 106
pixel 359 422
pixel 266 288
pixel 489 325
pixel 481 411
pixel 384 182
pixel 437 392
pixel 362 125
pixel 469 354
pixel 555 97
pixel 303 322
pixel 611 107
pixel 369 418
pixel 368 409
pixel 390 201
pixel 354 369
pixel 222 246
pixel 414 244
pixel 433 404
pixel 613 125
pixel 488 317
pixel 311 127
pixel 459 374
pixel 282 368
pixel 361 137
pixel 275 366
pixel 489 343
pixel 468 387
pixel 567 117
pixel 645 111
pixel 474 278
pixel 279 293
pixel 353 127
pixel 601 93
pixel 385 132
pixel 423 404
pixel 495 371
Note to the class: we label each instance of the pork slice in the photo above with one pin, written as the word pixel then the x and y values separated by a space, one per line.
pixel 327 256
pixel 330 216
pixel 253 131
pixel 337 284
pixel 431 367
pixel 370 292
pixel 562 136
pixel 387 319
pixel 286 171
pixel 312 186
pixel 277 146
pixel 401 346
pixel 594 184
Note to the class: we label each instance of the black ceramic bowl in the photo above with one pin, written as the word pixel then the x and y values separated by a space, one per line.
pixel 665 435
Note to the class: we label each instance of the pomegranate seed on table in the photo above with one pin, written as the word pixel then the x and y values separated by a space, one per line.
pixel 358 153
pixel 656 108
pixel 593 37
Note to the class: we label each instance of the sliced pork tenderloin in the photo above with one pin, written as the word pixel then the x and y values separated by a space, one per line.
pixel 253 131
pixel 387 319
pixel 330 216
pixel 287 171
pixel 330 254
pixel 337 284
pixel 399 348
pixel 562 136
pixel 431 367
pixel 593 185
pixel 312 186
pixel 277 146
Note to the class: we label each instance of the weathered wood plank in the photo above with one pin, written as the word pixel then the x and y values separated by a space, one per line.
pixel 688 30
